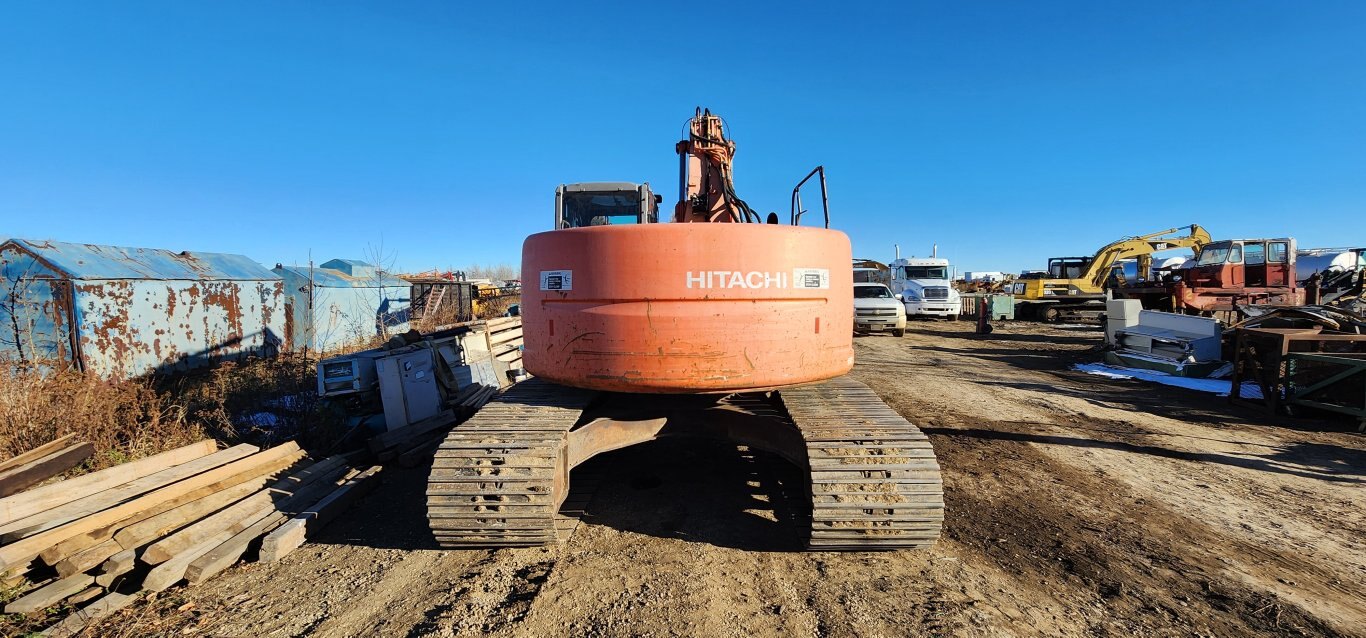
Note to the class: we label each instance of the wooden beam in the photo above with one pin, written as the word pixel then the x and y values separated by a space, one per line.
pixel 292 534
pixel 172 571
pixel 80 618
pixel 102 500
pixel 146 531
pixel 50 595
pixel 421 452
pixel 37 453
pixel 265 462
pixel 89 593
pixel 46 497
pixel 79 542
pixel 87 559
pixel 392 438
pixel 192 535
pixel 505 336
pixel 231 550
pixel 117 565
pixel 38 470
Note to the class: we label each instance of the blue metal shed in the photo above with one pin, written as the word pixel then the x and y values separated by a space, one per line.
pixel 123 312
pixel 342 302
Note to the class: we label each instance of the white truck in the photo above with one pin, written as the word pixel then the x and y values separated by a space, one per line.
pixel 924 287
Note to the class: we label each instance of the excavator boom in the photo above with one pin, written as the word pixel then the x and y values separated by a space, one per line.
pixel 1075 287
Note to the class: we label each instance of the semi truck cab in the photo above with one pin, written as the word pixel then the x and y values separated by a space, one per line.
pixel 925 287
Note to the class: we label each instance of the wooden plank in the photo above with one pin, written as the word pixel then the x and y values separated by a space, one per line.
pixel 231 550
pixel 392 438
pixel 46 497
pixel 37 453
pixel 421 452
pixel 102 500
pixel 265 462
pixel 81 618
pixel 38 470
pixel 292 534
pixel 79 542
pixel 178 543
pixel 50 595
pixel 117 565
pixel 90 593
pixel 505 336
pixel 509 357
pixel 480 398
pixel 146 531
pixel 172 570
pixel 87 559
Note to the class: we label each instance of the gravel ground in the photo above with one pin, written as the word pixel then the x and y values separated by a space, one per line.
pixel 1077 506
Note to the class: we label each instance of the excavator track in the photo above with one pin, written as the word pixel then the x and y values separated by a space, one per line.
pixel 497 479
pixel 875 484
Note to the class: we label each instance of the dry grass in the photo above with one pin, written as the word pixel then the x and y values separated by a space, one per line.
pixel 124 420
pixel 264 402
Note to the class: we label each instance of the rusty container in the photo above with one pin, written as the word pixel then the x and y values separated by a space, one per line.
pixel 687 308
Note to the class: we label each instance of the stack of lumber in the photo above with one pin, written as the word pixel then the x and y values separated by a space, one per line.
pixel 505 341
pixel 413 445
pixel 182 515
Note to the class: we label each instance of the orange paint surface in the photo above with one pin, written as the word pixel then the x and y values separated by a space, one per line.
pixel 686 308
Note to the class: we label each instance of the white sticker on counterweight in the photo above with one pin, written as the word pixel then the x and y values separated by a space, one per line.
pixel 811 278
pixel 557 280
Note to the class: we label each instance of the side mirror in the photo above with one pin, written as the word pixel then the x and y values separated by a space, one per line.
pixel 898 297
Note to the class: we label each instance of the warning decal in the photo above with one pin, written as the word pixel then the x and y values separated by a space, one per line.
pixel 811 278
pixel 557 280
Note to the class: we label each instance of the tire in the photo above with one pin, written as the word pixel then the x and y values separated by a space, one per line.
pixel 901 332
pixel 953 317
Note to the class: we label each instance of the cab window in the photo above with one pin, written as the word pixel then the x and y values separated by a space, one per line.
pixel 1254 254
pixel 1279 253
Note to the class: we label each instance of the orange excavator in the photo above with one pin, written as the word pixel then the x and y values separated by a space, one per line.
pixel 719 324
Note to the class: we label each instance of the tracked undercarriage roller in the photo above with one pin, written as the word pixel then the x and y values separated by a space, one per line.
pixel 499 479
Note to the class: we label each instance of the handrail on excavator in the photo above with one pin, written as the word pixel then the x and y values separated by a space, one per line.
pixel 797 198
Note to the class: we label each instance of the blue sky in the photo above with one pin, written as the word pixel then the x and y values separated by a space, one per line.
pixel 1005 132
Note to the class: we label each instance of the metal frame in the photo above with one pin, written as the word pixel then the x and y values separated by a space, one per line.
pixel 1267 355
pixel 1353 364
pixel 797 211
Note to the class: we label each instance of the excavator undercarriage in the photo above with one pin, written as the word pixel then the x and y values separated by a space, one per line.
pixel 499 479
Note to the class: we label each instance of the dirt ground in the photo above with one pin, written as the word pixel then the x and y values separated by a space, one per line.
pixel 1076 506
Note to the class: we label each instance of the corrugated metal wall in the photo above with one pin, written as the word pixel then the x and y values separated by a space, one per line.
pixel 336 310
pixel 127 327
pixel 131 327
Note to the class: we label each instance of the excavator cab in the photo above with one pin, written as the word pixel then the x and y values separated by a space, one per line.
pixel 605 203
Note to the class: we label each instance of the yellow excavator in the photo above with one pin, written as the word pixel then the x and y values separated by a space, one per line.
pixel 1073 288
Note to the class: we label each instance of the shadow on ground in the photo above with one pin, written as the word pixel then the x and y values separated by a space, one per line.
pixel 697 490
pixel 701 491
